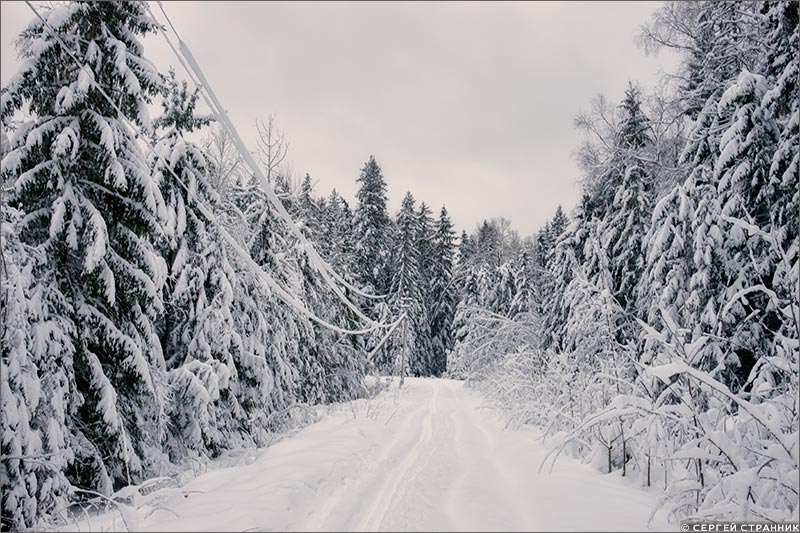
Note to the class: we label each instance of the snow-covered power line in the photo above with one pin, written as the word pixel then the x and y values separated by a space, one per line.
pixel 386 337
pixel 197 76
pixel 268 280
pixel 184 56
pixel 199 86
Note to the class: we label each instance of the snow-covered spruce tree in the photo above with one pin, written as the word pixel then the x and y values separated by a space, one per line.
pixel 373 237
pixel 527 277
pixel 557 225
pixel 633 130
pixel 310 288
pixel 405 287
pixel 457 357
pixel 624 139
pixel 269 330
pixel 443 292
pixel 664 290
pixel 91 208
pixel 567 256
pixel 328 213
pixel 201 346
pixel 698 310
pixel 782 103
pixel 544 244
pixel 489 245
pixel 617 189
pixel 183 225
pixel 466 248
pixel 337 360
pixel 743 171
pixel 623 232
pixel 467 298
pixel 336 238
pixel 423 335
pixel 503 290
pixel 340 228
pixel 668 264
pixel 344 224
pixel 338 368
pixel 35 386
pixel 370 228
pixel 626 223
pixel 247 399
pixel 308 209
pixel 315 357
pixel 537 259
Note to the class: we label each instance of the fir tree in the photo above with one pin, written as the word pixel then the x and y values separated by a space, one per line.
pixel 36 389
pixel 267 327
pixel 743 171
pixel 466 248
pixel 423 334
pixel 308 209
pixel 623 232
pixel 93 207
pixel 568 254
pixel 526 275
pixel 781 102
pixel 202 346
pixel 544 244
pixel 442 292
pixel 559 222
pixel 549 235
pixel 668 264
pixel 371 228
pixel 405 284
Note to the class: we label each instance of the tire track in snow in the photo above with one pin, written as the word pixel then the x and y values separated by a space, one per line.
pixel 461 458
pixel 510 475
pixel 487 493
pixel 318 520
pixel 395 477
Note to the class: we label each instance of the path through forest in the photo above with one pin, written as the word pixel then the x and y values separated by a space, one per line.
pixel 426 458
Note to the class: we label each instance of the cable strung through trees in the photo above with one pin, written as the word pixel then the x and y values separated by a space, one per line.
pixel 184 56
pixel 265 277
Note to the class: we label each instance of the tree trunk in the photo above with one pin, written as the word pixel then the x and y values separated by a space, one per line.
pixel 624 458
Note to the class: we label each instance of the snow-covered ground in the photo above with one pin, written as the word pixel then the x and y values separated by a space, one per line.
pixel 426 458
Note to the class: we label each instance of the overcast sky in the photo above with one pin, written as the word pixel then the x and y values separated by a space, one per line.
pixel 465 104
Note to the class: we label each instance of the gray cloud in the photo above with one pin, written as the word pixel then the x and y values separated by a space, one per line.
pixel 468 104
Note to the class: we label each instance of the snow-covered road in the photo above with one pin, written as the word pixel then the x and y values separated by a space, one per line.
pixel 426 458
